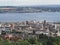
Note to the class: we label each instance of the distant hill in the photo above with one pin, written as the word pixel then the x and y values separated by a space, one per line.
pixel 29 9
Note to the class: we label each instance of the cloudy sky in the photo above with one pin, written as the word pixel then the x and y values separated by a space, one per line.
pixel 28 2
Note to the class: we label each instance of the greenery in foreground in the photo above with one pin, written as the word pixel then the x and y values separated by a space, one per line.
pixel 41 40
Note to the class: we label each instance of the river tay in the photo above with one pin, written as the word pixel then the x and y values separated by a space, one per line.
pixel 49 16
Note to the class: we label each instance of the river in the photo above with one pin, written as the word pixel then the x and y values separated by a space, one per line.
pixel 14 17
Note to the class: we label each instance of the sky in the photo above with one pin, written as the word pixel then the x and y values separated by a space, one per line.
pixel 28 2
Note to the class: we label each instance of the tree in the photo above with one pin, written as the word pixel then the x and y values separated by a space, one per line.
pixel 6 42
pixel 23 43
pixel 32 40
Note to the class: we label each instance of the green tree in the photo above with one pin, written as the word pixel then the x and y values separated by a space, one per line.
pixel 6 42
pixel 32 40
pixel 23 43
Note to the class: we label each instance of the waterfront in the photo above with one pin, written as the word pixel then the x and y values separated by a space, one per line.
pixel 14 17
pixel 29 29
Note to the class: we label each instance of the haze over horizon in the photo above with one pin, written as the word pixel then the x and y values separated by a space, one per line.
pixel 28 2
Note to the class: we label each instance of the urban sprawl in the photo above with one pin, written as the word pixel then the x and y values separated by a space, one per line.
pixel 27 29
